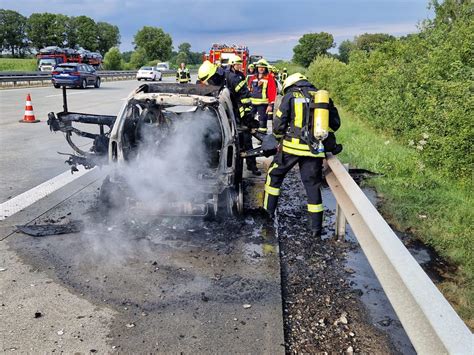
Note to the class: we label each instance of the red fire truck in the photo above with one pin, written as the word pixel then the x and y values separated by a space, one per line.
pixel 49 57
pixel 222 52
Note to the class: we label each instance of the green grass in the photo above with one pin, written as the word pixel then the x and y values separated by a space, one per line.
pixel 16 64
pixel 418 200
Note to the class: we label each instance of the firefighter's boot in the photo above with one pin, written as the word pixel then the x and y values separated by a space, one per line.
pixel 316 224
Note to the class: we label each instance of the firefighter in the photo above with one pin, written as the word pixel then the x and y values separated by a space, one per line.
pixel 263 90
pixel 211 74
pixel 276 73
pixel 284 75
pixel 182 74
pixel 293 125
pixel 250 73
pixel 240 95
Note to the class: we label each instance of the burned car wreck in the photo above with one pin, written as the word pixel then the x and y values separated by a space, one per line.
pixel 173 149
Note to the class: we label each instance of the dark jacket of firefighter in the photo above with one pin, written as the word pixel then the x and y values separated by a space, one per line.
pixel 236 82
pixel 289 126
pixel 183 76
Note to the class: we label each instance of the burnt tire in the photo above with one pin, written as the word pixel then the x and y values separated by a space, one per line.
pixel 230 202
pixel 111 196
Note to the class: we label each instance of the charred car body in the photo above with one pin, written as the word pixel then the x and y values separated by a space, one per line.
pixel 173 148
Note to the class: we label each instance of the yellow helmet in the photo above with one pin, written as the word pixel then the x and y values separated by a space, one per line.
pixel 284 69
pixel 234 59
pixel 292 79
pixel 206 70
pixel 251 66
pixel 262 63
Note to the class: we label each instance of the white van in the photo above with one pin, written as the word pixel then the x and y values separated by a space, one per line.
pixel 163 66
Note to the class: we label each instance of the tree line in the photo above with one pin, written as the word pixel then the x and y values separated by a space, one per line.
pixel 151 45
pixel 19 35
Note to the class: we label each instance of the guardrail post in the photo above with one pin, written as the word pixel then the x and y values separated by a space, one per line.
pixel 340 228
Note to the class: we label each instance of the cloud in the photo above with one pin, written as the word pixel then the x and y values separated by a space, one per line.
pixel 267 25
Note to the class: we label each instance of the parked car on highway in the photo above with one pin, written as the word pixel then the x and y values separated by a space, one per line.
pixel 75 75
pixel 180 143
pixel 149 73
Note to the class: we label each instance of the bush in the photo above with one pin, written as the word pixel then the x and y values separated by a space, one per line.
pixel 291 67
pixel 329 74
pixel 138 58
pixel 417 88
pixel 113 59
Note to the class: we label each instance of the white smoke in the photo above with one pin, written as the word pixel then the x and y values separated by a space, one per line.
pixel 166 167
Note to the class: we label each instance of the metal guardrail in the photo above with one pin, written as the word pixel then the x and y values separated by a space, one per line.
pixel 429 320
pixel 28 77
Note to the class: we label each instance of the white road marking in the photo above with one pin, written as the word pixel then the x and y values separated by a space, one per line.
pixel 68 93
pixel 22 201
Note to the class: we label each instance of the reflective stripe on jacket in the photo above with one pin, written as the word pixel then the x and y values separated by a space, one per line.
pixel 263 90
pixel 183 75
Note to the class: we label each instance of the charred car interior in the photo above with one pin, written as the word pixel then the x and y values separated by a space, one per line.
pixel 172 148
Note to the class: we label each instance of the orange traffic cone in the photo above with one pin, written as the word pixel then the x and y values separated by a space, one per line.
pixel 29 116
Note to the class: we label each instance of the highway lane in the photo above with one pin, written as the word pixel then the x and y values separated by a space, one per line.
pixel 186 285
pixel 29 151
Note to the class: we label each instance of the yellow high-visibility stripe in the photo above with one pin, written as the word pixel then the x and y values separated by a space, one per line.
pixel 240 85
pixel 267 183
pixel 315 208
pixel 259 101
pixel 279 113
pixel 272 190
pixel 264 89
pixel 298 115
pixel 302 153
pixel 245 100
pixel 262 129
pixel 295 144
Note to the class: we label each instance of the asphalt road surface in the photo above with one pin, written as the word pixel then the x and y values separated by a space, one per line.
pixel 29 151
pixel 126 282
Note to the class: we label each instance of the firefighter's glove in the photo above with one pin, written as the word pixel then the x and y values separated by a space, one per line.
pixel 269 145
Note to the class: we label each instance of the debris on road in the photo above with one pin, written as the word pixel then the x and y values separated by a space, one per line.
pixel 130 325
pixel 38 314
pixel 43 230
pixel 247 306
pixel 3 269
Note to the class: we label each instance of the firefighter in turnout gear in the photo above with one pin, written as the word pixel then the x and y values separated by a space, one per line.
pixel 236 82
pixel 263 90
pixel 211 74
pixel 250 73
pixel 304 123
pixel 182 74
pixel 284 75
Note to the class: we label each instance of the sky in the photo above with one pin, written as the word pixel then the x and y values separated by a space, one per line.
pixel 269 28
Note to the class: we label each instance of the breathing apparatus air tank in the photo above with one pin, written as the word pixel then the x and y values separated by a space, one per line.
pixel 320 118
